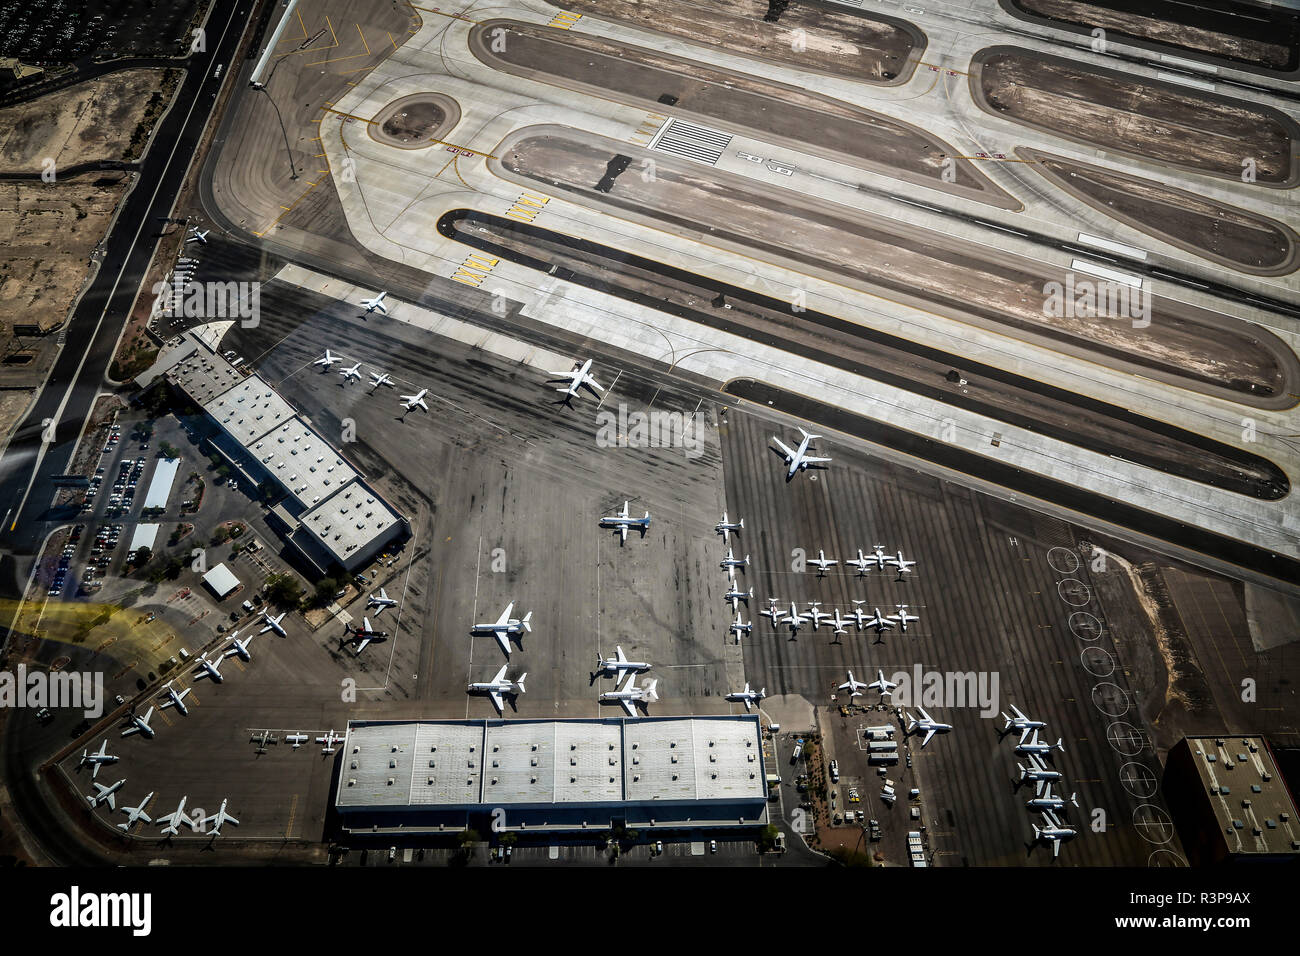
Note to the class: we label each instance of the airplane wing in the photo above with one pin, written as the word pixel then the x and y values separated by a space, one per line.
pixel 925 716
pixel 629 707
pixel 496 698
pixel 504 619
pixel 928 734
pixel 1024 733
pixel 810 460
pixel 501 674
pixel 503 638
pixel 785 449
pixel 362 646
pixel 1016 710
pixel 590 382
pixel 619 655
pixel 1056 848
pixel 622 530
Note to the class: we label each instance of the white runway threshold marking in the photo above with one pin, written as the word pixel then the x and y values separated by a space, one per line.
pixel 701 143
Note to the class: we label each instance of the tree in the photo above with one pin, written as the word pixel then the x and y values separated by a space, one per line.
pixel 142 556
pixel 767 838
pixel 468 837
pixel 283 590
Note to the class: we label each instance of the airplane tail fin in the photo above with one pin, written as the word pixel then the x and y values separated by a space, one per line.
pixel 650 693
pixel 1060 746
pixel 520 683
pixel 1007 725
pixel 741 523
pixel 527 626
pixel 1074 798
pixel 1038 834
pixel 1023 772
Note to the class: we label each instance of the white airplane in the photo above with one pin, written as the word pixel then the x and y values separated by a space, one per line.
pixel 861 562
pixel 1053 832
pixel 731 562
pixel 297 740
pixel 221 817
pixel 739 627
pixel 139 725
pixel 882 685
pixel 365 634
pixel 381 602
pixel 815 614
pixel 1046 800
pixel 799 459
pixel 273 623
pixel 174 699
pixel 208 669
pixel 747 697
pixel 239 648
pixel 498 687
pixel 774 614
pixel 904 566
pixel 351 374
pixel 840 623
pixel 622 522
pixel 735 597
pixel 196 235
pixel 631 695
pixel 327 359
pixel 104 794
pixel 376 304
pixel 96 759
pixel 135 813
pixel 1035 746
pixel 619 665
pixel 504 628
pixel 409 402
pixel 380 378
pixel 902 617
pixel 578 377
pixel 856 688
pixel 1038 772
pixel 822 562
pixel 175 818
pixel 725 527
pixel 878 621
pixel 329 740
pixel 928 725
pixel 1021 723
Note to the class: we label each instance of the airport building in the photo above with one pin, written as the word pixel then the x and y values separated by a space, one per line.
pixel 327 510
pixel 1229 801
pixel 553 776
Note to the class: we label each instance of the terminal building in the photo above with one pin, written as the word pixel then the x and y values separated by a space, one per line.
pixel 1229 802
pixel 327 510
pixel 552 776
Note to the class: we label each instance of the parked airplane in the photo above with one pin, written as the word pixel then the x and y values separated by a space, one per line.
pixel 380 378
pixel 747 697
pixel 199 236
pixel 208 669
pixel 1038 772
pixel 731 562
pixel 174 699
pixel 104 794
pixel 882 685
pixel 776 615
pixel 96 759
pixel 1021 723
pixel 297 740
pixel 381 602
pixel 622 522
pixel 175 818
pixel 815 614
pixel 328 359
pixel 619 665
pixel 1053 832
pixel 273 623
pixel 365 634
pixel 1046 800
pixel 862 562
pixel 505 627
pixel 878 621
pixel 329 740
pixel 499 687
pixel 351 374
pixel 799 459
pixel 135 813
pixel 854 687
pixel 904 566
pixel 840 623
pixel 822 562
pixel 928 725
pixel 725 527
pixel 221 817
pixel 631 695
pixel 902 617
pixel 239 648
pixel 409 402
pixel 578 377
pixel 1035 746
pixel 735 597
pixel 376 304
pixel 139 725
pixel 739 627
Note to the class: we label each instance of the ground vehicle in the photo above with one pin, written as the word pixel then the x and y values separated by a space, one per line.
pixel 798 749
pixel 853 795
pixel 835 772
pixel 713 846
pixel 659 847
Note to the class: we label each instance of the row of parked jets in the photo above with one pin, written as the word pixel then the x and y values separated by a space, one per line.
pixel 1036 753
pixel 104 795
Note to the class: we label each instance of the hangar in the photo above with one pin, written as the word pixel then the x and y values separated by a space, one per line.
pixel 665 773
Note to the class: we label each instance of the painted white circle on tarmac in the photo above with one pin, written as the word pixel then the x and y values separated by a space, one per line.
pixel 1063 560
pixel 1139 780
pixel 1111 699
pixel 1074 592
pixel 1085 626
pixel 1153 823
pixel 1097 662
pixel 1126 739
pixel 1165 858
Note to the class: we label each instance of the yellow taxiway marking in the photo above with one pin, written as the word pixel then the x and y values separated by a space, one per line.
pixel 293 812
pixel 443 13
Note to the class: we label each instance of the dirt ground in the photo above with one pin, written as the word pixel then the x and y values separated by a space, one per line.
pixel 1169 124
pixel 834 41
pixel 103 119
